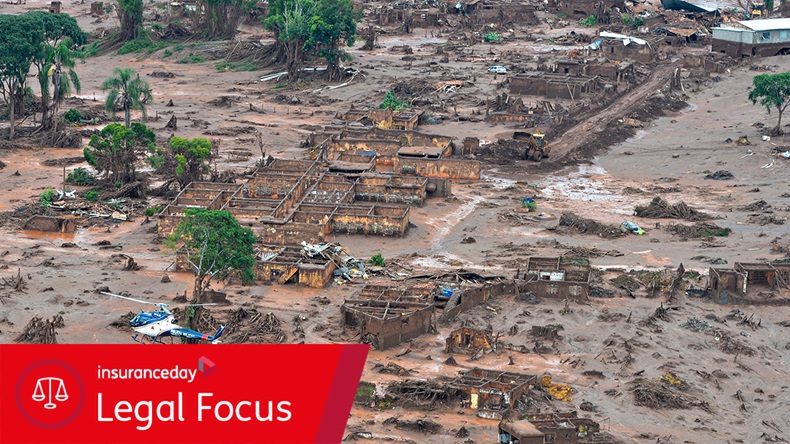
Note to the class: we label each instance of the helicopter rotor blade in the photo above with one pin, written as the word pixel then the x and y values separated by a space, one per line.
pixel 128 298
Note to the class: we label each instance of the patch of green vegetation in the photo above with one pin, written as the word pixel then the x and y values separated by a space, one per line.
pixel 150 211
pixel 47 197
pixel 142 44
pixel 237 66
pixel 393 102
pixel 192 58
pixel 80 176
pixel 167 53
pixel 178 48
pixel 590 20
pixel 365 390
pixel 278 86
pixel 531 206
pixel 632 21
pixel 493 37
pixel 161 6
pixel 562 16
pixel 87 51
pixel 377 260
pixel 73 116
pixel 92 195
pixel 710 232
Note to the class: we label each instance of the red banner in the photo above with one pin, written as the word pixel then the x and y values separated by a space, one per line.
pixel 177 393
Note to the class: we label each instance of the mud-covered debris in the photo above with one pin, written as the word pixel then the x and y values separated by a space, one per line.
pixel 695 324
pixel 759 205
pixel 720 175
pixel 392 369
pixel 419 425
pixel 659 208
pixel 704 229
pixel 123 321
pixel 589 226
pixel 41 331
pixel 659 395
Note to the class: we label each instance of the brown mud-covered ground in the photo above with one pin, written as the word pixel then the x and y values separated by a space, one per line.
pixel 736 377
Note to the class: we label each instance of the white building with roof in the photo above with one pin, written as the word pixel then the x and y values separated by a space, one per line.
pixel 749 38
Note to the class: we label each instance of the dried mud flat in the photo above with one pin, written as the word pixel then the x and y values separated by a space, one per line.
pixel 735 376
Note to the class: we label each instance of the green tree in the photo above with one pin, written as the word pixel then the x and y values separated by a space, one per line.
pixel 62 35
pixel 114 151
pixel 215 245
pixel 127 91
pixel 184 160
pixel 772 91
pixel 309 27
pixel 20 39
pixel 130 14
pixel 333 25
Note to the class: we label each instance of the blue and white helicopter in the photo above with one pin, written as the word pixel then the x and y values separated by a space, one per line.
pixel 158 324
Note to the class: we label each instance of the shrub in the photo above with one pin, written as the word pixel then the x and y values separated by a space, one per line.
pixel 167 53
pixel 92 195
pixel 377 260
pixel 73 116
pixel 591 20
pixel 150 211
pixel 192 58
pixel 47 196
pixel 531 206
pixel 492 37
pixel 393 102
pixel 81 177
pixel 631 21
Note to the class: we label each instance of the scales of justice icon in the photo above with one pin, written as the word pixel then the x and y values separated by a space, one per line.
pixel 39 394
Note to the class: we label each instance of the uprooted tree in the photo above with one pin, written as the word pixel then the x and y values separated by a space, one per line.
pixel 113 152
pixel 772 91
pixel 183 160
pixel 214 245
pixel 313 28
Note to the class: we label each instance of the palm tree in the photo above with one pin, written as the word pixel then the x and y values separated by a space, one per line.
pixel 127 91
pixel 53 61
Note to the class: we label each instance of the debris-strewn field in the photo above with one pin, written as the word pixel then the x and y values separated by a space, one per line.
pixel 661 198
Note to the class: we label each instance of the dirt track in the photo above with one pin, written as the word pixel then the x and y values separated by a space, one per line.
pixel 597 121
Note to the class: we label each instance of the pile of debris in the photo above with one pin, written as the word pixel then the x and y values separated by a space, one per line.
pixel 730 345
pixel 590 226
pixel 664 393
pixel 244 325
pixel 661 209
pixel 348 267
pixel 417 393
pixel 418 425
pixel 698 230
pixel 696 325
pixel 41 331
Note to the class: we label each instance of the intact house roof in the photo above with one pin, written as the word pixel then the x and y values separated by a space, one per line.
pixel 766 24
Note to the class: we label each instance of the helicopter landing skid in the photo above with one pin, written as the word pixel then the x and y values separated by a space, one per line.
pixel 142 340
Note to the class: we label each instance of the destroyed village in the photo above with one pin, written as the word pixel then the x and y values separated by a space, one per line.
pixel 555 221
